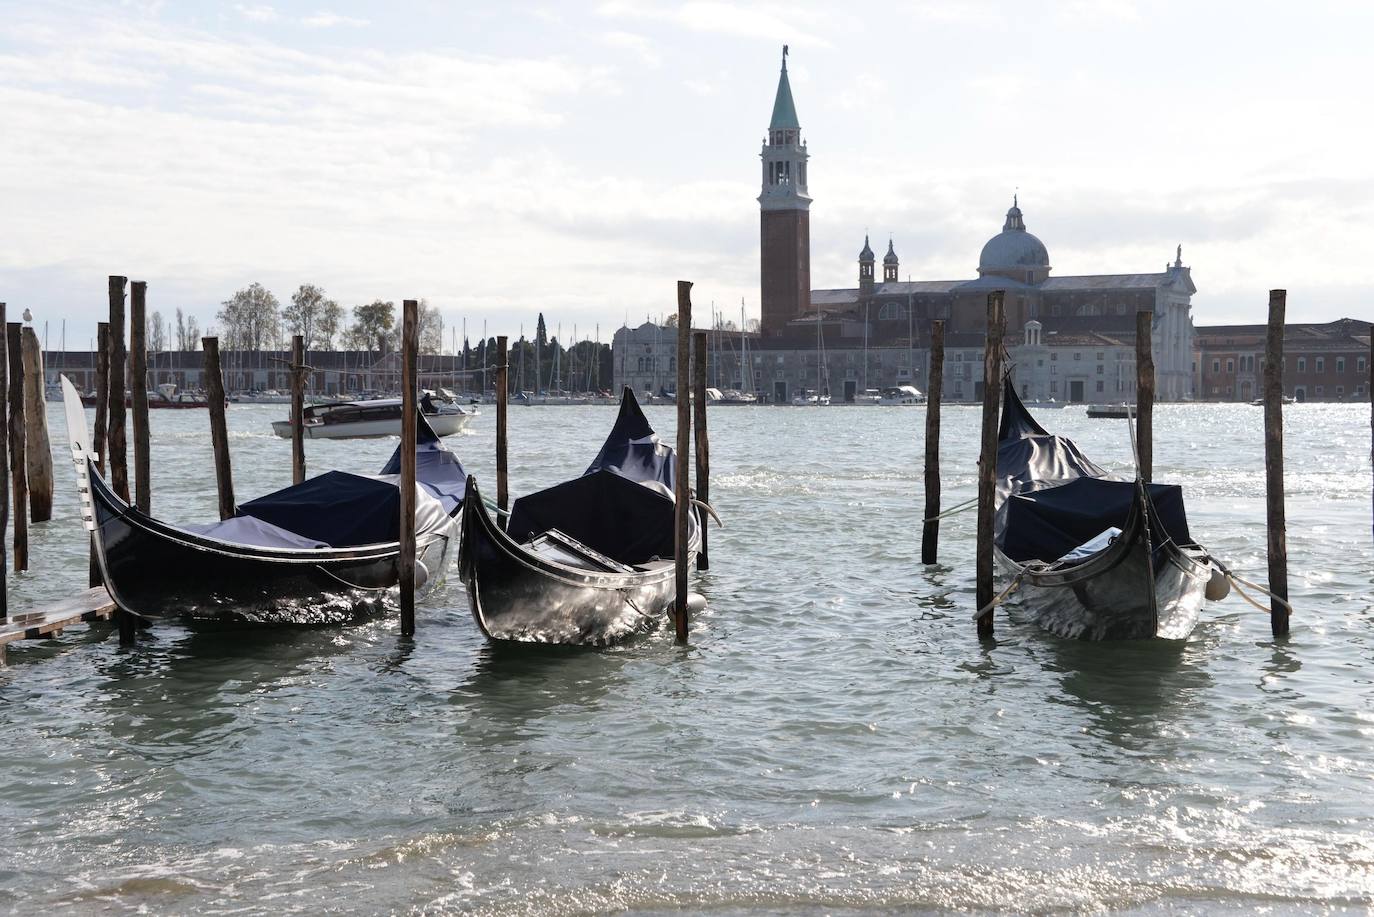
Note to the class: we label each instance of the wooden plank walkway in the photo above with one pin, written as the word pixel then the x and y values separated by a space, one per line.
pixel 91 605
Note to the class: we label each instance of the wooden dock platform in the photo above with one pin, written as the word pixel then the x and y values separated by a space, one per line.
pixel 91 605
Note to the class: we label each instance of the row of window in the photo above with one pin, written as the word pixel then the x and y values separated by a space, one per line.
pixel 1247 364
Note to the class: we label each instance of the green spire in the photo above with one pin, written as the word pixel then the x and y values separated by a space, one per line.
pixel 784 111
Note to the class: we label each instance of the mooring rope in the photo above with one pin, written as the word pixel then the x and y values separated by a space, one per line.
pixel 1237 580
pixel 957 508
pixel 1015 584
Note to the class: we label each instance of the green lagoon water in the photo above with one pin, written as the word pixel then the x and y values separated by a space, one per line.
pixel 834 740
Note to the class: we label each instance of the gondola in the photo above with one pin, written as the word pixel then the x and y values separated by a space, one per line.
pixel 1092 557
pixel 588 561
pixel 320 551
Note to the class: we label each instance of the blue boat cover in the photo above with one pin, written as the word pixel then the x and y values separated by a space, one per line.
pixel 436 468
pixel 632 449
pixel 1054 498
pixel 253 531
pixel 605 511
pixel 1047 524
pixel 335 508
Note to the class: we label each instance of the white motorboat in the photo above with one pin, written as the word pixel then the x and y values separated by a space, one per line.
pixel 901 395
pixel 808 397
pixel 869 396
pixel 364 419
pixel 270 396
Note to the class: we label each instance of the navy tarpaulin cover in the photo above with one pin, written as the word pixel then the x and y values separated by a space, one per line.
pixel 1029 456
pixel 436 469
pixel 632 450
pixel 335 508
pixel 1053 498
pixel 1047 524
pixel 605 511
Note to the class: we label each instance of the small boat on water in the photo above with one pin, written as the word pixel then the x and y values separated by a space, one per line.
pixel 364 419
pixel 165 396
pixel 901 395
pixel 1109 411
pixel 588 561
pixel 317 552
pixel 1093 557
pixel 808 397
pixel 1286 399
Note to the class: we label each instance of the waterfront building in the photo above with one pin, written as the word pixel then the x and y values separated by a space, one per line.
pixel 1076 315
pixel 1322 361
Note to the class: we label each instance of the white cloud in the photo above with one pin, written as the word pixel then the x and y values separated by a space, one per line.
pixel 782 23
pixel 257 12
pixel 642 47
pixel 325 20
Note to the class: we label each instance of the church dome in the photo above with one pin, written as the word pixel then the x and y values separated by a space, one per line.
pixel 867 253
pixel 1013 248
pixel 891 256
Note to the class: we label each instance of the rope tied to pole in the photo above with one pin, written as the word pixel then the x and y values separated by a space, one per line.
pixel 1237 580
pixel 1005 594
pixel 958 508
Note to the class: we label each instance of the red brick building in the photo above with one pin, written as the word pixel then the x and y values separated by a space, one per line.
pixel 1322 362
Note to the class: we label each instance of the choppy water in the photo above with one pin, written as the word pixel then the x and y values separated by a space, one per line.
pixel 833 740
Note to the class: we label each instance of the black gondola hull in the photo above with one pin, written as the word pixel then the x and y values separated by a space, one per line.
pixel 156 571
pixel 519 596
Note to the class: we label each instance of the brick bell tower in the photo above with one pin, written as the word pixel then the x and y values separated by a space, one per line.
pixel 784 218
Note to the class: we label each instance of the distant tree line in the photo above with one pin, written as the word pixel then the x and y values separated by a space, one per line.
pixel 253 319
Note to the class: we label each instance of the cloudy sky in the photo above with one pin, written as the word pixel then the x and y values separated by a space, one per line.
pixel 506 159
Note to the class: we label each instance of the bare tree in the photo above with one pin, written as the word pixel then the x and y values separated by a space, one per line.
pixel 372 324
pixel 307 312
pixel 181 332
pixel 250 318
pixel 156 341
pixel 330 324
pixel 192 333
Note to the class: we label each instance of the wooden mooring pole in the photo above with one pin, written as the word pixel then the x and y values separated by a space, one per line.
pixel 410 347
pixel 19 474
pixel 987 458
pixel 703 441
pixel 115 440
pixel 37 446
pixel 298 409
pixel 1273 463
pixel 1369 389
pixel 681 485
pixel 219 429
pixel 1145 394
pixel 4 472
pixel 138 393
pixel 930 530
pixel 102 407
pixel 502 399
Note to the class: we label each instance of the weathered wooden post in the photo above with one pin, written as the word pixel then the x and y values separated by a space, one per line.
pixel 102 392
pixel 37 446
pixel 1273 464
pixel 4 475
pixel 502 395
pixel 138 393
pixel 930 531
pixel 298 409
pixel 410 346
pixel 1145 394
pixel 1370 389
pixel 987 458
pixel 115 445
pixel 681 487
pixel 703 441
pixel 19 473
pixel 102 407
pixel 219 429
